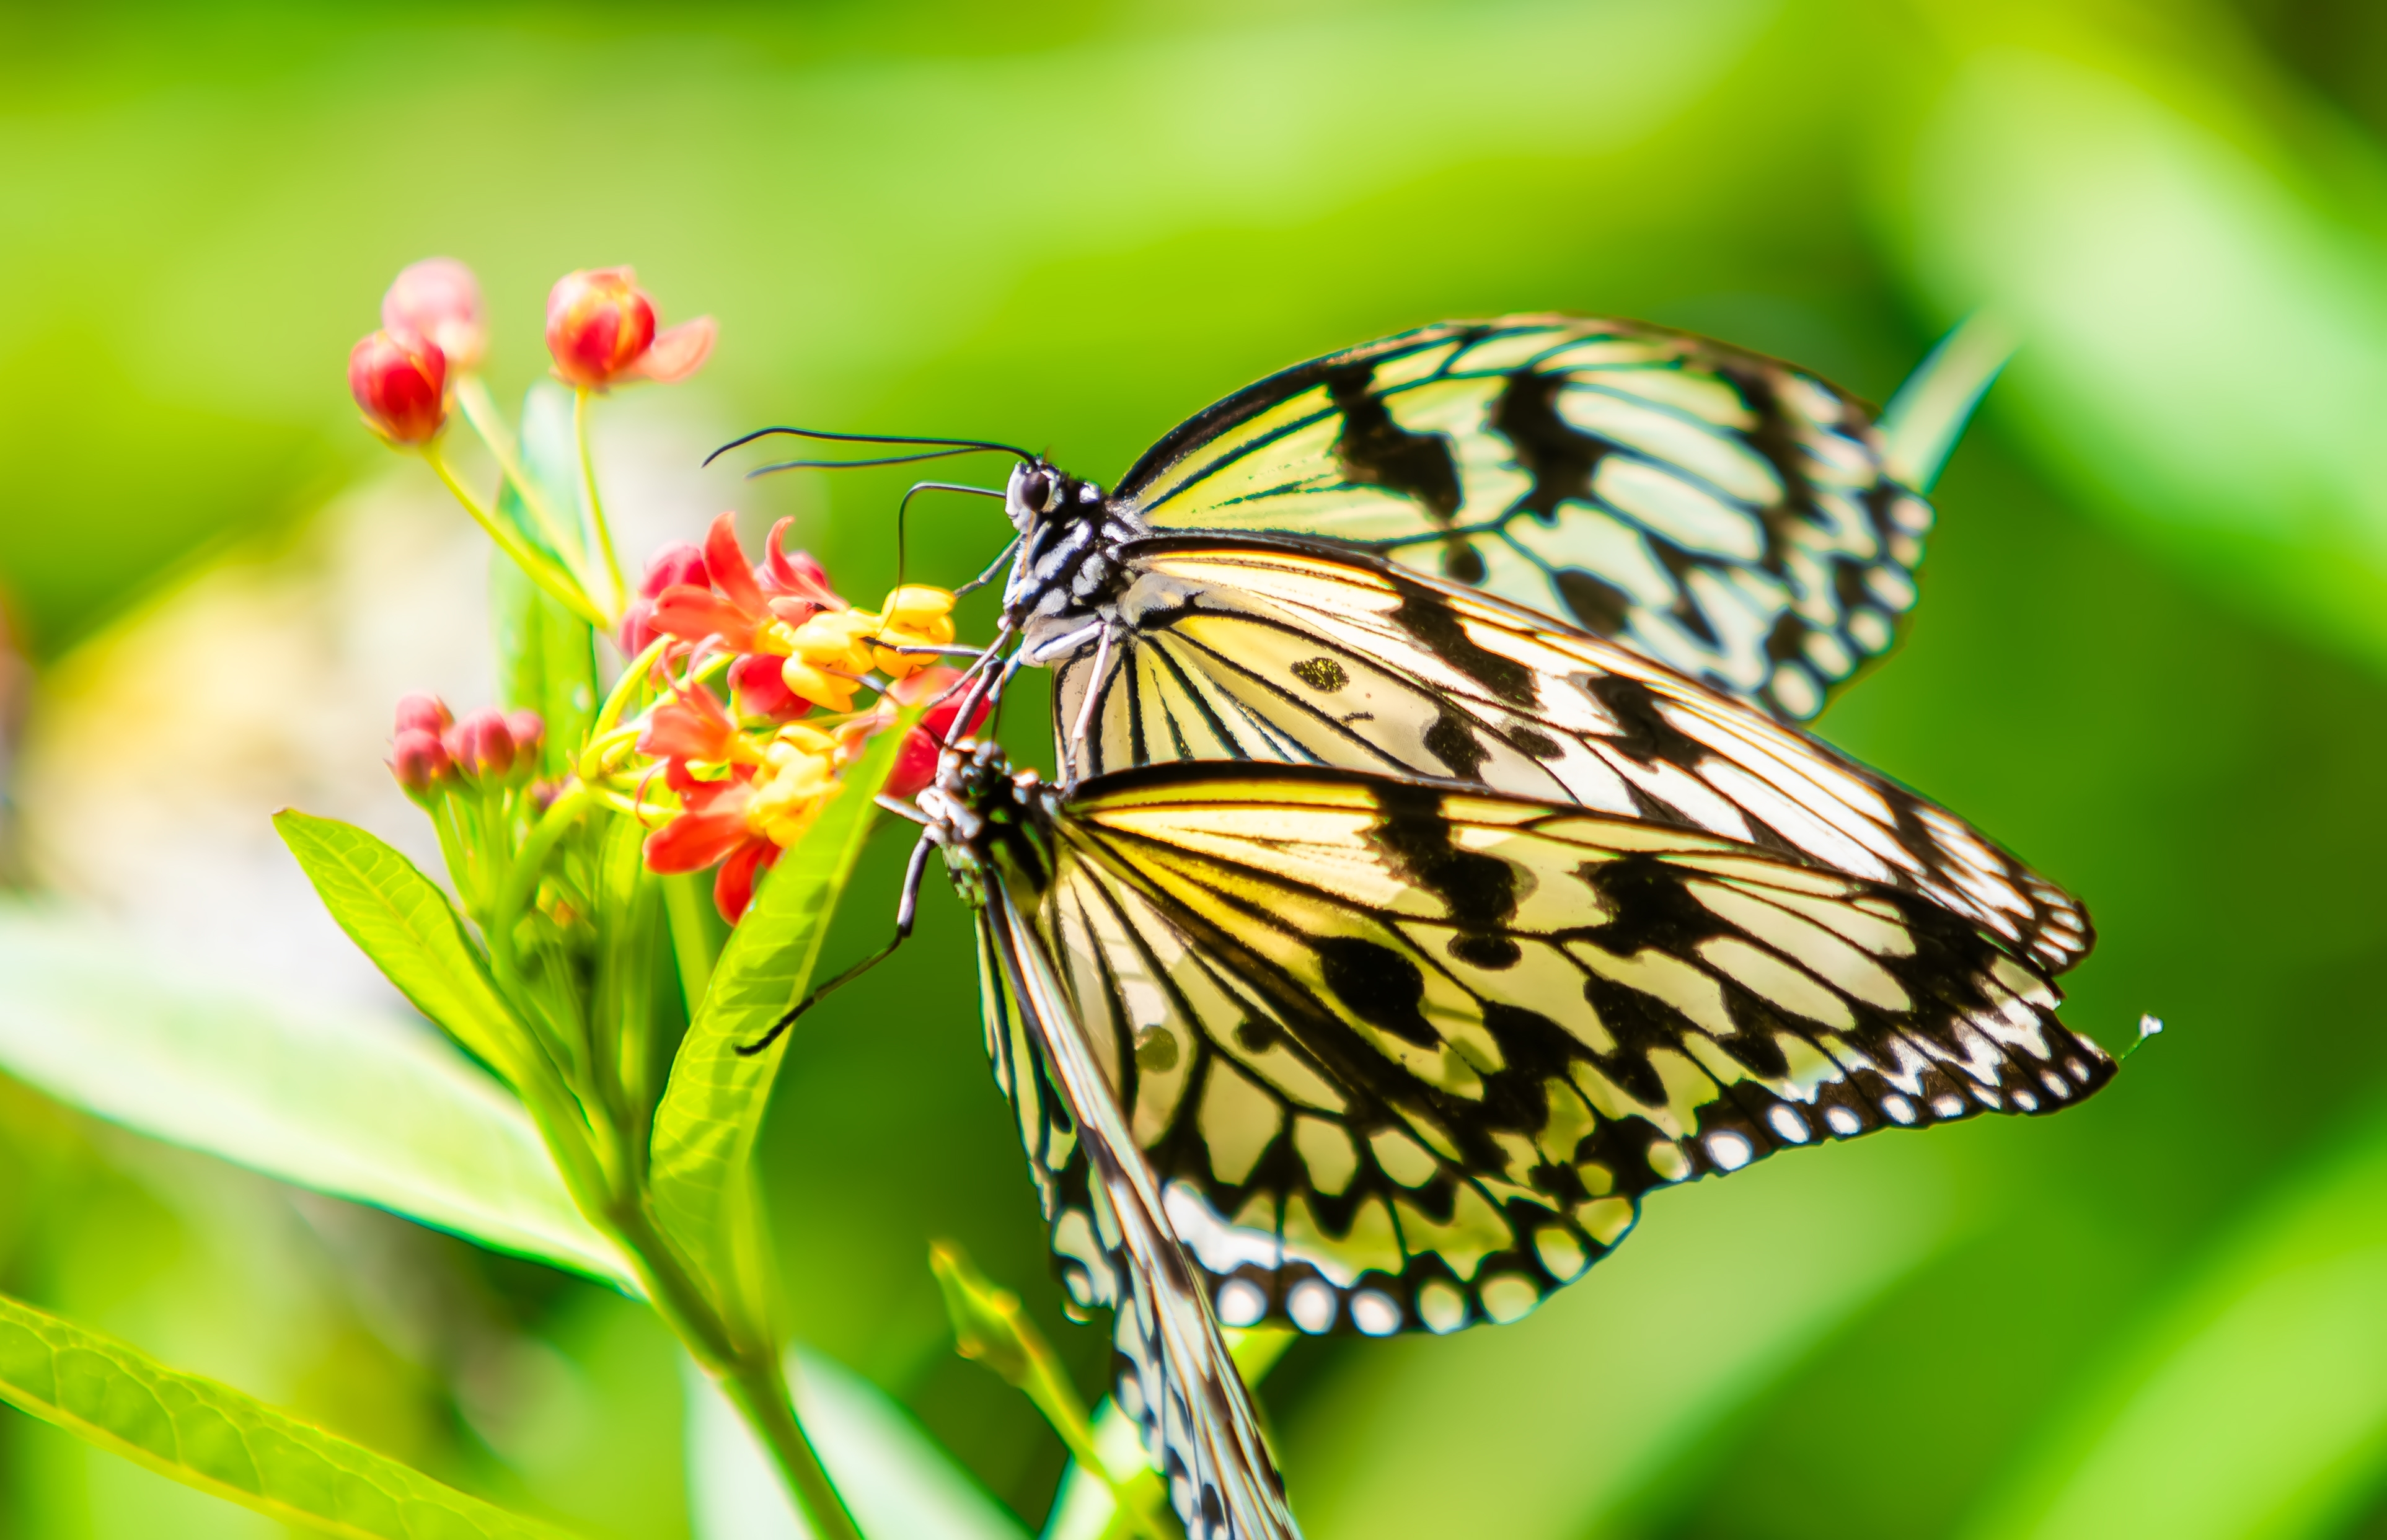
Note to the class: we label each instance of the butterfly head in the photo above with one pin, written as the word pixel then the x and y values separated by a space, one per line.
pixel 1040 493
pixel 979 808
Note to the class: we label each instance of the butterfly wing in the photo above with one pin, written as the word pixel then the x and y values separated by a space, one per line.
pixel 1173 1372
pixel 1282 650
pixel 1406 1055
pixel 1715 508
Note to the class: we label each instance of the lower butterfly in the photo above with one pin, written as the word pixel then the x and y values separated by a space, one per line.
pixel 1372 1053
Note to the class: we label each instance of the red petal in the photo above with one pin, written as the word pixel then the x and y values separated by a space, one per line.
pixel 694 840
pixel 733 890
pixel 726 560
pixel 692 615
pixel 678 351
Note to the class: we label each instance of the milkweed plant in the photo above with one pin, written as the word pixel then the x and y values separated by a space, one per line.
pixel 643 841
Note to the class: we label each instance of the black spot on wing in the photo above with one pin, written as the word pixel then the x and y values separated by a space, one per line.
pixel 1323 675
pixel 1599 605
pixel 1558 457
pixel 1479 890
pixel 1774 439
pixel 1679 564
pixel 1377 451
pixel 1451 741
pixel 1381 988
pixel 1429 617
pixel 1646 734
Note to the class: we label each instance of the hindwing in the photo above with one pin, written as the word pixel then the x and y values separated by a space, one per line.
pixel 1715 508
pixel 1404 1055
pixel 1173 1376
pixel 1251 649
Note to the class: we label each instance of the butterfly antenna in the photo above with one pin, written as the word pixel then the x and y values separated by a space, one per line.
pixel 906 911
pixel 951 446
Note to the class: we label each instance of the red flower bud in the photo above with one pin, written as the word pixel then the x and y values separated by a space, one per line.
pixel 601 328
pixel 528 729
pixel 425 714
pixel 439 298
pixel 760 688
pixel 677 562
pixel 480 744
pixel 399 380
pixel 420 763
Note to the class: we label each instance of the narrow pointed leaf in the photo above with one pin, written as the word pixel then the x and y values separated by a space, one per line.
pixel 713 1106
pixel 213 1437
pixel 1922 421
pixel 350 1102
pixel 402 920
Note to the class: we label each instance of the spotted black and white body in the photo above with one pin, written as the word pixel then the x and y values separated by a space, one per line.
pixel 1369 1053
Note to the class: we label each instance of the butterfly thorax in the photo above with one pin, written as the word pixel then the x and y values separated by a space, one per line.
pixel 1068 564
pixel 990 821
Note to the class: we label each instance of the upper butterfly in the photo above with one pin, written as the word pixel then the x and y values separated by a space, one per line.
pixel 1711 508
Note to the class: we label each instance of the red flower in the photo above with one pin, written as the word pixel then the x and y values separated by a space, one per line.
pixel 601 328
pixel 738 603
pixel 439 298
pixel 675 564
pixel 692 725
pixel 399 380
pixel 420 763
pixel 742 822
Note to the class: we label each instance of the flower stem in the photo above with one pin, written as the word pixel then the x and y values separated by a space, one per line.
pixel 559 585
pixel 621 592
pixel 473 395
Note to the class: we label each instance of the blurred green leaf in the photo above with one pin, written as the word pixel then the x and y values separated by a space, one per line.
pixel 713 1106
pixel 213 1437
pixel 896 1479
pixel 405 923
pixel 2206 337
pixel 343 1101
pixel 2254 1403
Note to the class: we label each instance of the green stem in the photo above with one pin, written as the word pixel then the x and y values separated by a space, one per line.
pixel 694 946
pixel 596 505
pixel 546 573
pixel 759 1389
pixel 473 395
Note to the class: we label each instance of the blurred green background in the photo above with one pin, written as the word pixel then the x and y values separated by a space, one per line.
pixel 2151 656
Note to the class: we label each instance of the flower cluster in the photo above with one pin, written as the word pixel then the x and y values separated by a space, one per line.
pixel 748 783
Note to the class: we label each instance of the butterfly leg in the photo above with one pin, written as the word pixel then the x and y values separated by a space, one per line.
pixel 908 910
pixel 1086 708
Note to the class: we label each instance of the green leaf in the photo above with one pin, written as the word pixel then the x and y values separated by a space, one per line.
pixel 210 1436
pixel 2254 1401
pixel 350 1102
pixel 900 1483
pixel 402 920
pixel 713 1106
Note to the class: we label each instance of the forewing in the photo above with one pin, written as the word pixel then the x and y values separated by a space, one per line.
pixel 1275 650
pixel 1174 1376
pixel 1715 508
pixel 1408 1057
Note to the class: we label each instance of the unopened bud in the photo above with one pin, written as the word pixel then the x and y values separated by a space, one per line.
pixel 439 298
pixel 399 380
pixel 425 714
pixel 528 729
pixel 481 745
pixel 419 762
pixel 601 328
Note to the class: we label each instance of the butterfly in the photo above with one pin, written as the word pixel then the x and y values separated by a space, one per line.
pixel 1376 1053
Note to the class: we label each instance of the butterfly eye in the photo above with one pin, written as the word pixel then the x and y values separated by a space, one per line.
pixel 1036 490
